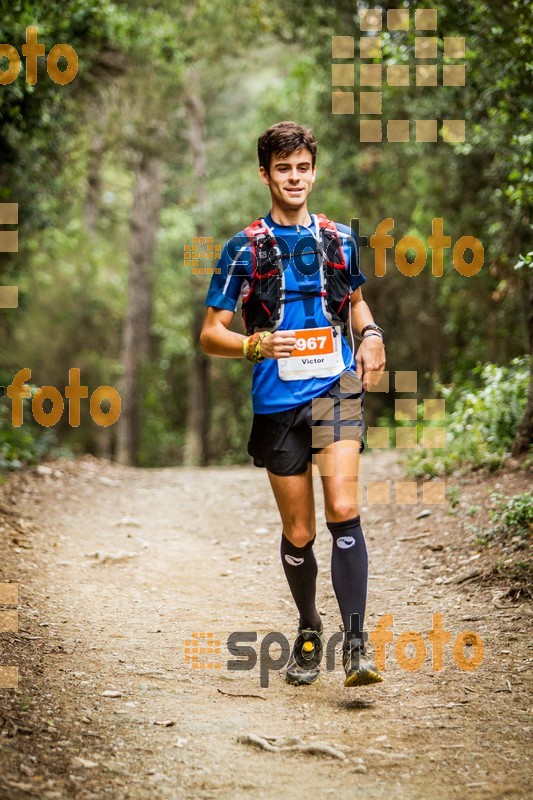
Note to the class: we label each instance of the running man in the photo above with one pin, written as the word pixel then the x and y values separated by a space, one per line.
pixel 298 278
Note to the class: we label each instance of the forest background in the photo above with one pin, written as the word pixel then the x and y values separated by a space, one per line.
pixel 154 143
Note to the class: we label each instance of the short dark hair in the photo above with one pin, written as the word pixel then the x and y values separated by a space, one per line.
pixel 282 139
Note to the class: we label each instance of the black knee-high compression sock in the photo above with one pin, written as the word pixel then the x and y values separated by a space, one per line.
pixel 299 564
pixel 349 573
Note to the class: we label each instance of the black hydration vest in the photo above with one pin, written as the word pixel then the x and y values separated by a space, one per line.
pixel 263 304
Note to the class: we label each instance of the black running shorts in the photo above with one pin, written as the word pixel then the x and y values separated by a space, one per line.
pixel 284 442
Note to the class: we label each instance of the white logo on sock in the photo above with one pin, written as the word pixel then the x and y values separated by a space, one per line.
pixel 344 542
pixel 293 561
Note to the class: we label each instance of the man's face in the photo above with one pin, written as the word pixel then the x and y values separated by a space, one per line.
pixel 290 178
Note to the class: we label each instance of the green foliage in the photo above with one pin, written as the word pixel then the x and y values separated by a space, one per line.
pixel 471 511
pixel 252 64
pixel 481 187
pixel 453 496
pixel 232 411
pixel 525 262
pixel 163 414
pixel 512 516
pixel 37 120
pixel 481 421
pixel 491 410
pixel 27 444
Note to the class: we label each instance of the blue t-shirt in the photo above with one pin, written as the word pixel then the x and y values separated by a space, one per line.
pixel 269 393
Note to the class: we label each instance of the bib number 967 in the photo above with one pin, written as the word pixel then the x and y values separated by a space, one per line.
pixel 313 341
pixel 316 354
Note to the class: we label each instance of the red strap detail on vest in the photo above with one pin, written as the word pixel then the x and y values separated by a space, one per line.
pixel 252 230
pixel 343 302
pixel 324 222
pixel 269 274
pixel 258 226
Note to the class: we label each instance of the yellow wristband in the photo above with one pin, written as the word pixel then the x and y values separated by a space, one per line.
pixel 262 336
pixel 251 346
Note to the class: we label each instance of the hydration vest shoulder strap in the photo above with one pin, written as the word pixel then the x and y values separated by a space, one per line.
pixel 264 303
pixel 257 232
pixel 333 252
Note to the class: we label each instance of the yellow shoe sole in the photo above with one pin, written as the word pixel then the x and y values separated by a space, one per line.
pixel 363 678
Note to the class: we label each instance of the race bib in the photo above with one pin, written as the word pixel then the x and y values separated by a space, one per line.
pixel 317 354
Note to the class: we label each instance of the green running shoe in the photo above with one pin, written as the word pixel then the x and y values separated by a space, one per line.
pixel 303 666
pixel 359 669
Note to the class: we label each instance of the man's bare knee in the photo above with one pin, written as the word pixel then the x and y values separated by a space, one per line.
pixel 299 535
pixel 339 512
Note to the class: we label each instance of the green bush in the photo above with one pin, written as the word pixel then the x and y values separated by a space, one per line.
pixel 27 444
pixel 512 516
pixel 482 418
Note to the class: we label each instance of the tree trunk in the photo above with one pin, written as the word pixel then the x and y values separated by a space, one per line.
pixel 147 200
pixel 195 451
pixel 94 184
pixel 524 435
pixel 102 438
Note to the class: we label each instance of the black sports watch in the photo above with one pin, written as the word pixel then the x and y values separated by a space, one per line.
pixel 374 327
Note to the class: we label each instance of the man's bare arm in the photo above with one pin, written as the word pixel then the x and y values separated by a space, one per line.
pixel 371 352
pixel 361 314
pixel 217 340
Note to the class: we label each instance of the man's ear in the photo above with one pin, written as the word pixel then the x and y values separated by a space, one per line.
pixel 263 174
pixel 314 174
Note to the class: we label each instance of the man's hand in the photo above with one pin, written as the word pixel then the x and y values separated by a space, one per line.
pixel 279 344
pixel 370 361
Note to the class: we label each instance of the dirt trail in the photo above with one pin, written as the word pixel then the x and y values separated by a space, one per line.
pixel 119 567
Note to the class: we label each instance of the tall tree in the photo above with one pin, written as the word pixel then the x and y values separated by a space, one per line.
pixel 524 434
pixel 195 452
pixel 147 200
